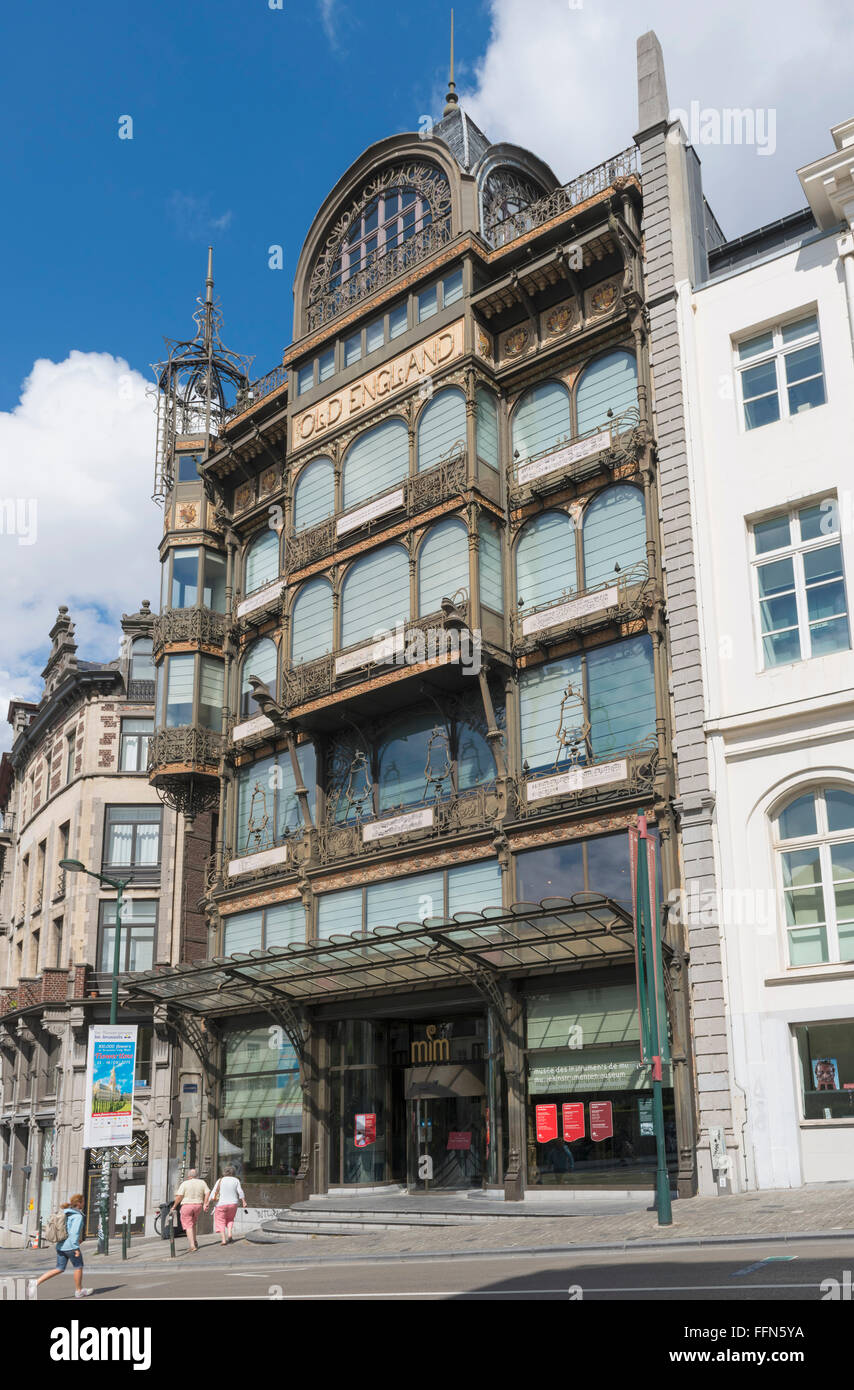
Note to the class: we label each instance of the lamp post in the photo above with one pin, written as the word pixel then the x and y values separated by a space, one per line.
pixel 75 866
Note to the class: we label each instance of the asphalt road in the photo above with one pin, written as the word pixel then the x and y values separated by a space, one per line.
pixel 782 1272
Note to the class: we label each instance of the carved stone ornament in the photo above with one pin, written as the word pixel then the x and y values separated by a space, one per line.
pixel 516 341
pixel 188 513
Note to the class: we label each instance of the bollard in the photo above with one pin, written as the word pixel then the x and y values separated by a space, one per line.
pixel 39 1242
pixel 130 1224
pixel 171 1237
pixel 125 1239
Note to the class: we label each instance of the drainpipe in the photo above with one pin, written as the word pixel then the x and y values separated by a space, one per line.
pixel 845 247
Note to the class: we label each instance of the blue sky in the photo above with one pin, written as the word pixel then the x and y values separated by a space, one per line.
pixel 244 116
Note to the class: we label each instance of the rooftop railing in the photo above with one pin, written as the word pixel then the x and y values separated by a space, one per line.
pixel 501 231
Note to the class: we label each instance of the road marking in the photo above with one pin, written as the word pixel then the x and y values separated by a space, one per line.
pixel 760 1264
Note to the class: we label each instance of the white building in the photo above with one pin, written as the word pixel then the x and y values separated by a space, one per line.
pixel 765 327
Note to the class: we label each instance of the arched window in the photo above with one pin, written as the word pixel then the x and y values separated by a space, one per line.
pixel 311 621
pixel 443 564
pixel 541 420
pixel 487 427
pixel 314 494
pixel 262 560
pixel 376 461
pixel 141 660
pixel 609 383
pixel 375 595
pixel 261 660
pixel 814 833
pixel 545 559
pixel 613 533
pixel 441 428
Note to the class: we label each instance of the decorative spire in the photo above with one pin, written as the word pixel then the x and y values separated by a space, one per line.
pixel 451 100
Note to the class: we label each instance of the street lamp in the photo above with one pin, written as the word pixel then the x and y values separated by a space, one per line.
pixel 75 866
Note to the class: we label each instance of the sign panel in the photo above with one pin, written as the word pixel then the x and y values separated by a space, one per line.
pixel 459 1139
pixel 110 1063
pixel 562 458
pixel 369 512
pixel 259 725
pixel 566 612
pixel 573 1120
pixel 589 1069
pixel 397 825
pixel 601 1120
pixel 546 1123
pixel 366 1131
pixel 578 779
pixel 263 596
pixel 384 650
pixel 646 1127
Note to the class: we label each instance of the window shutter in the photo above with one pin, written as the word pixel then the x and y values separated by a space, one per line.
pixel 540 420
pixel 262 560
pixel 545 559
pixel 311 621
pixel 613 533
pixel 487 427
pixel 405 900
pixel 622 695
pixel 491 581
pixel 472 887
pixel 375 462
pixel 339 913
pixel 242 932
pixel 285 923
pixel 375 596
pixel 540 693
pixel 443 565
pixel 314 494
pixel 610 383
pixel 441 427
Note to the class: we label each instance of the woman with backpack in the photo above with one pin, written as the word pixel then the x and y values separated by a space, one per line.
pixel 66 1228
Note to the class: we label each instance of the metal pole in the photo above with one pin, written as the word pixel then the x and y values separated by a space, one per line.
pixel 104 1199
pixel 125 1239
pixel 171 1236
pixel 651 945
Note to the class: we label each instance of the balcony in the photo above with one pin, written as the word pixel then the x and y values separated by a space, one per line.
pixel 624 778
pixel 627 598
pixel 259 390
pixel 7 827
pixel 502 231
pixel 256 608
pixel 413 495
pixel 613 445
pixel 425 821
pixel 331 299
pixel 188 746
pixel 200 626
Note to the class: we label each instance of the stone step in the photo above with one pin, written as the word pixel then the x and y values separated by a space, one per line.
pixel 392 1216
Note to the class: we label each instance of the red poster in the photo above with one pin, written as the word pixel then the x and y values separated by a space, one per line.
pixel 459 1139
pixel 546 1123
pixel 601 1120
pixel 573 1120
pixel 366 1131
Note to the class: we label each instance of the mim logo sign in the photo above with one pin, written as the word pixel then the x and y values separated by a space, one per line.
pixel 431 1049
pixel 76 1343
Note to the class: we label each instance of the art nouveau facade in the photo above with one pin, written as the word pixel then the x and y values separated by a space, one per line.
pixel 75 786
pixel 766 335
pixel 412 646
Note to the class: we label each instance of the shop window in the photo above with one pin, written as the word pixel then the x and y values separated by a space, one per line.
pixel 826 1069
pixel 541 420
pixel 312 621
pixel 814 834
pixel 443 565
pixel 609 384
pixel 545 559
pixel 268 808
pixel 132 840
pixel 260 1126
pixel 442 428
pixel 314 494
pixel 136 938
pixel 262 560
pixel 261 660
pixel 800 584
pixel 375 462
pixel 375 595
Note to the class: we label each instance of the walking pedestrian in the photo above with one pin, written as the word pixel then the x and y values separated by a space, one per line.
pixel 67 1247
pixel 190 1197
pixel 226 1194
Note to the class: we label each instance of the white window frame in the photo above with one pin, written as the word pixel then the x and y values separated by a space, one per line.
pixel 823 839
pixel 776 354
pixel 796 551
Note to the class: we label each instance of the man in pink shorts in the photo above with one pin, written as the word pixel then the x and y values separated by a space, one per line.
pixel 190 1197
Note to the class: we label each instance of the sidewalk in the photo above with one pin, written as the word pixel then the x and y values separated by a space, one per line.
pixel 788 1214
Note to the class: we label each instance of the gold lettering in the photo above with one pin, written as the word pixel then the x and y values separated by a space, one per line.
pixel 441 1050
pixel 420 1051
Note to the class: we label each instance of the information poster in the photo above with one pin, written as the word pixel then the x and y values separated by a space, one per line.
pixel 601 1120
pixel 546 1123
pixel 645 1117
pixel 459 1139
pixel 108 1117
pixel 573 1120
pixel 366 1131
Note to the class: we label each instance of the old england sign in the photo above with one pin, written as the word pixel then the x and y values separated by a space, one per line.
pixel 384 381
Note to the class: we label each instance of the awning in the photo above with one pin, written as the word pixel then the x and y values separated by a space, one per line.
pixel 580 932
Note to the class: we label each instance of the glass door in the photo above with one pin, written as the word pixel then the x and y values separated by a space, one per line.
pixel 446 1143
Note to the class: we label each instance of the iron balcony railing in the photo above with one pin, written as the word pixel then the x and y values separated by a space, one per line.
pixel 200 625
pixel 620 776
pixel 380 269
pixel 260 388
pixel 186 746
pixel 625 598
pixel 473 810
pixel 618 440
pixel 412 495
pixel 500 231
pixel 7 823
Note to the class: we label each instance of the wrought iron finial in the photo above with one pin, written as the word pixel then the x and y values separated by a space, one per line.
pixel 451 100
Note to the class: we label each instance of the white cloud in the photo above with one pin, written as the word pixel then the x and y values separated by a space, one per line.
pixel 562 81
pixel 77 460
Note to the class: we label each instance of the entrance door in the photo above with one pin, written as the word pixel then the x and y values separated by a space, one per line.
pixel 445 1143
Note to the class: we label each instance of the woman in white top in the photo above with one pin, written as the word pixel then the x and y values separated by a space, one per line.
pixel 227 1193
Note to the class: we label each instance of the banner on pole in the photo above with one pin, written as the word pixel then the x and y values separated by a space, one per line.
pixel 110 1065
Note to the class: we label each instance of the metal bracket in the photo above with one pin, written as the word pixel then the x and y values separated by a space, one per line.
pixel 280 1008
pixel 482 976
pixel 200 1038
